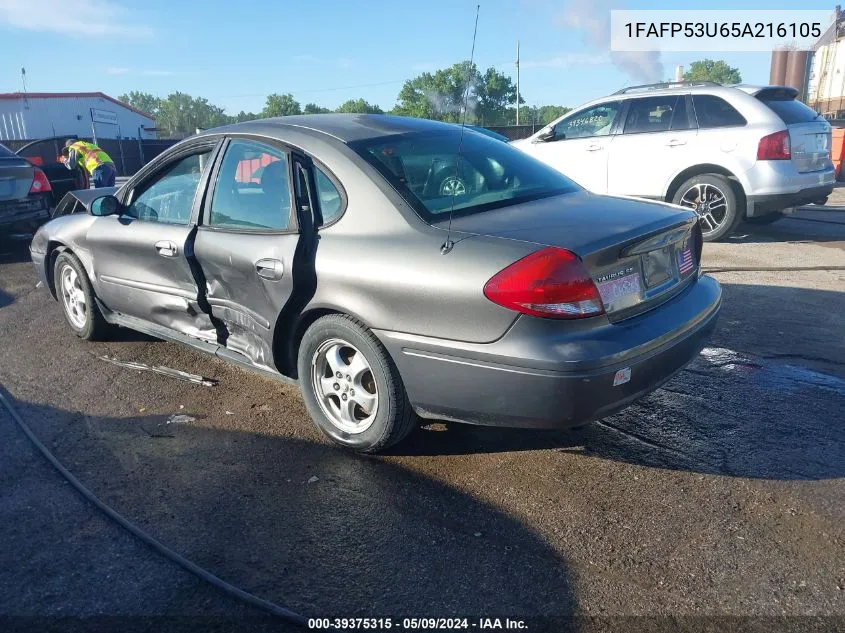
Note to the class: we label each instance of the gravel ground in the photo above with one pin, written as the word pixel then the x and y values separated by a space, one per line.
pixel 719 495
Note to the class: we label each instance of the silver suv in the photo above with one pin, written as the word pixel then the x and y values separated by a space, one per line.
pixel 732 153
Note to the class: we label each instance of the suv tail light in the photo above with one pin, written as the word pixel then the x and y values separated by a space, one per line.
pixel 774 146
pixel 40 184
pixel 551 283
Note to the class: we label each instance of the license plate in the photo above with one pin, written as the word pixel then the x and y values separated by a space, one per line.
pixel 5 187
pixel 614 291
pixel 656 267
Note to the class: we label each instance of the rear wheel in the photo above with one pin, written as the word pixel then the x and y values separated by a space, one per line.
pixel 77 298
pixel 713 198
pixel 351 387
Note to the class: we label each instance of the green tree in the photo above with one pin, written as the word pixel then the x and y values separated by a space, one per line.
pixel 313 108
pixel 244 116
pixel 496 95
pixel 180 114
pixel 713 70
pixel 143 101
pixel 281 105
pixel 439 95
pixel 359 106
pixel 548 113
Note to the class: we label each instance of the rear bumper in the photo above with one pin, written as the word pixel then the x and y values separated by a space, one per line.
pixel 776 185
pixel 547 374
pixel 25 214
pixel 763 205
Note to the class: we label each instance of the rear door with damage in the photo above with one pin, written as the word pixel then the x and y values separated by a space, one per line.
pixel 143 257
pixel 247 242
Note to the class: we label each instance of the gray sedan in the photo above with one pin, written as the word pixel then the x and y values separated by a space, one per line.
pixel 394 268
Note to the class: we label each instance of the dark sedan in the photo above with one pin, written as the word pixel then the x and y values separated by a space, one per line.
pixel 25 194
pixel 326 249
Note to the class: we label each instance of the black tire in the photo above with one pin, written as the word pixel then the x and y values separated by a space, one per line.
pixel 393 419
pixel 761 220
pixel 94 327
pixel 718 222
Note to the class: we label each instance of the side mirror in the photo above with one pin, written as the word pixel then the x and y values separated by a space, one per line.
pixel 546 135
pixel 107 205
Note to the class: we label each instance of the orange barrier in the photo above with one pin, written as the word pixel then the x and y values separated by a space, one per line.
pixel 837 149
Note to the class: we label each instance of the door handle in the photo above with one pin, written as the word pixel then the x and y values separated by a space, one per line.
pixel 271 269
pixel 166 248
pixel 675 143
pixel 594 147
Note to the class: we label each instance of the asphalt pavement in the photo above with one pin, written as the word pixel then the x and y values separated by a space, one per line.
pixel 720 495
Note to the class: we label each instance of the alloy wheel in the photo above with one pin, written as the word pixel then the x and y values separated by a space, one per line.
pixel 453 186
pixel 710 203
pixel 73 297
pixel 345 387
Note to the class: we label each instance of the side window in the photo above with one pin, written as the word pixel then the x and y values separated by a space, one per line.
pixel 656 114
pixel 170 196
pixel 595 121
pixel 331 202
pixel 252 189
pixel 715 112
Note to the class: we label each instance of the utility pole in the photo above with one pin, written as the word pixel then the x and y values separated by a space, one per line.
pixel 517 82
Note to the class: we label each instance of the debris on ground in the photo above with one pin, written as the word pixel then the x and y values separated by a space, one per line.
pixel 313 479
pixel 164 371
pixel 180 418
pixel 230 413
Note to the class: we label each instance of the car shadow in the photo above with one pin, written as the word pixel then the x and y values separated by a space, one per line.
pixel 771 413
pixel 814 225
pixel 322 531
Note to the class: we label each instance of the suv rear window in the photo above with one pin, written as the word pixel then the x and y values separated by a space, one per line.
pixel 790 110
pixel 715 112
pixel 5 152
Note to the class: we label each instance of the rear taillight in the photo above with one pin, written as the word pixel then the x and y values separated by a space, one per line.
pixel 40 184
pixel 550 283
pixel 774 146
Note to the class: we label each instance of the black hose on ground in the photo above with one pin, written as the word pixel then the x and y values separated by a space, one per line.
pixel 133 529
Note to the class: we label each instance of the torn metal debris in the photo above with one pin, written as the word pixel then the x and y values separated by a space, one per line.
pixel 164 371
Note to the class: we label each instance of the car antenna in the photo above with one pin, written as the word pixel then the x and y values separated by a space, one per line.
pixel 449 244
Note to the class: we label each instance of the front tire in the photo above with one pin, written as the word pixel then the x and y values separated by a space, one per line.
pixel 351 387
pixel 713 198
pixel 77 298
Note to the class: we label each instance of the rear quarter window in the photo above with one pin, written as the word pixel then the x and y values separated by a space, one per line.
pixel 713 112
pixel 791 111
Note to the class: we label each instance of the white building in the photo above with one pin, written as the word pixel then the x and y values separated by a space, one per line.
pixel 37 115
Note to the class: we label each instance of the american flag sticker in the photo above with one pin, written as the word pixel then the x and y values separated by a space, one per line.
pixel 685 261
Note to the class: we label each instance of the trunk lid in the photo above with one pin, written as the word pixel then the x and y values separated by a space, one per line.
pixel 810 145
pixel 638 253
pixel 16 176
pixel 809 133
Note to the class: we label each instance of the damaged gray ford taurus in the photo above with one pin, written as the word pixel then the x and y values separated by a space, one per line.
pixel 395 268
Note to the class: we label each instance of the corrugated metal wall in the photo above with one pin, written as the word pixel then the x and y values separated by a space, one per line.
pixel 41 117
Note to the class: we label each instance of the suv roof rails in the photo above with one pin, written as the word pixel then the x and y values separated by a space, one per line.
pixel 666 84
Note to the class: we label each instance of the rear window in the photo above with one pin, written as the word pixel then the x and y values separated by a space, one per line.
pixel 715 112
pixel 790 110
pixel 425 168
pixel 5 152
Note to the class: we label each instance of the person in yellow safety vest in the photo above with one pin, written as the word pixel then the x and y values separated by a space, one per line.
pixel 92 159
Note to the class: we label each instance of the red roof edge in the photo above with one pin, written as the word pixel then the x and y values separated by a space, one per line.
pixel 71 95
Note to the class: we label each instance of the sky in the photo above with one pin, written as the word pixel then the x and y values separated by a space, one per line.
pixel 323 51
